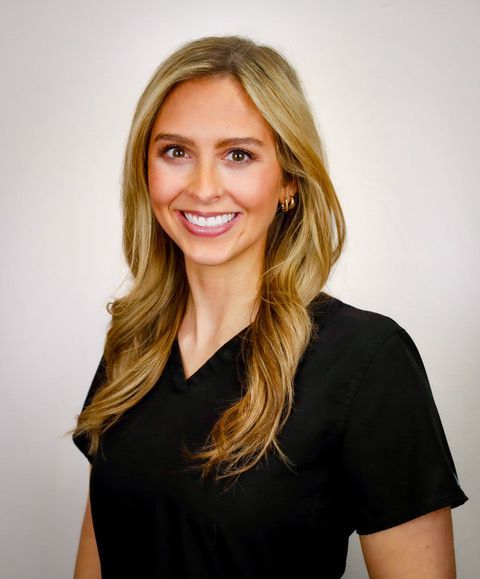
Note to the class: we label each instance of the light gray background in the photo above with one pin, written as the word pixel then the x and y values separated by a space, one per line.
pixel 395 89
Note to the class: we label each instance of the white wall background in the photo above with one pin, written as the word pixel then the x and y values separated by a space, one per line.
pixel 395 88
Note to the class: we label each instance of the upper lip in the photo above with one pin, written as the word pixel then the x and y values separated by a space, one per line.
pixel 207 213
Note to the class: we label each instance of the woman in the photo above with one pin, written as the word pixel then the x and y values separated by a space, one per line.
pixel 242 422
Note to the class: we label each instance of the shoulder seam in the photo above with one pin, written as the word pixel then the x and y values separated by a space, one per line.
pixel 357 380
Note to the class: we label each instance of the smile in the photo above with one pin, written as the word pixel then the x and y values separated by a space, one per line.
pixel 213 221
pixel 210 226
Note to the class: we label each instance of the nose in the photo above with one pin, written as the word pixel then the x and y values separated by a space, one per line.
pixel 205 183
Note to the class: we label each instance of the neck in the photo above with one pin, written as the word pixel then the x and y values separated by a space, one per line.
pixel 221 301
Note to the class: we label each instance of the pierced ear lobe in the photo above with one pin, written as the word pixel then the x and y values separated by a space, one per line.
pixel 288 203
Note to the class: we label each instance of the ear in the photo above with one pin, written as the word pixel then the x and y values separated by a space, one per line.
pixel 289 189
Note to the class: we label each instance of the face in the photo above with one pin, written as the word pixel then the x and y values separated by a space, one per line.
pixel 212 157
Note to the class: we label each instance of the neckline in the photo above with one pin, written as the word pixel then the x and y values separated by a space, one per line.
pixel 320 306
pixel 224 352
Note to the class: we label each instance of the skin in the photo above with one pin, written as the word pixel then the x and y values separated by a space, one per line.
pixel 87 563
pixel 223 271
pixel 422 548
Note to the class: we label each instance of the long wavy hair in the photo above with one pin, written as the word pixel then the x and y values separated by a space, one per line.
pixel 303 245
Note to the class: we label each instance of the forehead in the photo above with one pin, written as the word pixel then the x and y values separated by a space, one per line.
pixel 211 104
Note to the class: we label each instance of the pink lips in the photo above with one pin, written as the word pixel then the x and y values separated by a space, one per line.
pixel 207 231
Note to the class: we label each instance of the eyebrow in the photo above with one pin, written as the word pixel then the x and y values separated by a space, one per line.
pixel 222 143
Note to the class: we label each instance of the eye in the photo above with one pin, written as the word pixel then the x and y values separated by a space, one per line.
pixel 176 149
pixel 240 155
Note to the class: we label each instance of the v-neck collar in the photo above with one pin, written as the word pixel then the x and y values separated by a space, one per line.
pixel 224 354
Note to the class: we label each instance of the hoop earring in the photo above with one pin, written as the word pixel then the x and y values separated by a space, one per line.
pixel 288 204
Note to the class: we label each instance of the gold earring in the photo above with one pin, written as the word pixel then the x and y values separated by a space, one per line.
pixel 288 204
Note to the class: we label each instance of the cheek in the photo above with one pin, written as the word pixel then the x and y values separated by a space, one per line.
pixel 161 186
pixel 259 193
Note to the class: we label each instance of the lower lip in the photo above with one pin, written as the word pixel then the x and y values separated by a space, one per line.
pixel 208 231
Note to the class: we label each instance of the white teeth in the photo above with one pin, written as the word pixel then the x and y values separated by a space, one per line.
pixel 209 221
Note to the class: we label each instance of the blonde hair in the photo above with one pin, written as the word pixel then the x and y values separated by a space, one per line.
pixel 303 246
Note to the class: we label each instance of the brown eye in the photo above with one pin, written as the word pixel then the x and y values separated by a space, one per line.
pixel 240 156
pixel 175 150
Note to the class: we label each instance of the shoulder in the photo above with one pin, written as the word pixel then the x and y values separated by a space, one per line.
pixel 341 324
pixel 346 340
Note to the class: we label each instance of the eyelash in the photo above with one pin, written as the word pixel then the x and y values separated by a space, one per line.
pixel 250 156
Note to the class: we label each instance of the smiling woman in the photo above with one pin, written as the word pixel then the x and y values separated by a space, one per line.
pixel 242 422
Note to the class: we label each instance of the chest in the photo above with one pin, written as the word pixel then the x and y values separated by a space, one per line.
pixel 141 460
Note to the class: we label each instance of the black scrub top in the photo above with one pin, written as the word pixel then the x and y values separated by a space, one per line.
pixel 368 445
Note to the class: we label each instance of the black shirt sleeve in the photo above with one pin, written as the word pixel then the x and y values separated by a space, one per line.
pixel 81 440
pixel 395 460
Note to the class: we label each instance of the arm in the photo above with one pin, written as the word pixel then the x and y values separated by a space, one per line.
pixel 420 548
pixel 87 565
